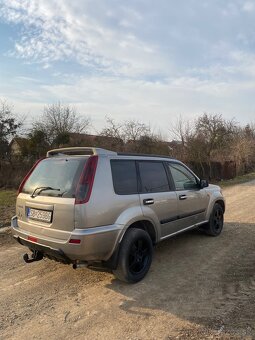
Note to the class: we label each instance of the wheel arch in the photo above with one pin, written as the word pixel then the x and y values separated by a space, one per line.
pixel 147 226
pixel 139 224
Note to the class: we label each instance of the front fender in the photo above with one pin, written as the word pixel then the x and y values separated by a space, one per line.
pixel 215 196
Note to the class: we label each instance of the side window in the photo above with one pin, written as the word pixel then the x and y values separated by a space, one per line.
pixel 124 177
pixel 183 179
pixel 153 177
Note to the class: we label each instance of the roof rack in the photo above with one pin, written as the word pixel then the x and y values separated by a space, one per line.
pixel 142 155
pixel 78 151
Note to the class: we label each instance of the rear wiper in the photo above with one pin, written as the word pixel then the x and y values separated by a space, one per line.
pixel 42 189
pixel 62 193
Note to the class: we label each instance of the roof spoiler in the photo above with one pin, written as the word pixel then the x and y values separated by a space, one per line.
pixel 79 151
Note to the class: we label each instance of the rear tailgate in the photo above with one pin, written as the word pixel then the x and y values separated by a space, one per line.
pixel 45 205
pixel 48 216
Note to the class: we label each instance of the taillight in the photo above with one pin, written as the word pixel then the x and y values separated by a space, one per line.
pixel 27 175
pixel 32 239
pixel 74 241
pixel 86 181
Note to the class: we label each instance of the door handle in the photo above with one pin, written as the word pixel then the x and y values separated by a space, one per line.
pixel 148 201
pixel 183 197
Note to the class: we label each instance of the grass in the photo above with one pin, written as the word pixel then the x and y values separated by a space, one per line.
pixel 237 180
pixel 7 206
pixel 7 197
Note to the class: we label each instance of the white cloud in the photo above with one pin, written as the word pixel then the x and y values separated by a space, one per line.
pixel 58 30
pixel 248 6
pixel 150 60
pixel 136 41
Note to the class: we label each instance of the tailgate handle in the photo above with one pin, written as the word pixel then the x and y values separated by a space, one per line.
pixel 148 201
pixel 183 197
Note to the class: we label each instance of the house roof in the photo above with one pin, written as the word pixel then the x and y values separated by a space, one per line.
pixel 21 141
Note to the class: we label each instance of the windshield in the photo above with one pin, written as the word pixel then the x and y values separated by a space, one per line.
pixel 60 173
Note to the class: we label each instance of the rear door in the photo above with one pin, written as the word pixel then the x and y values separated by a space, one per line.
pixel 192 201
pixel 157 197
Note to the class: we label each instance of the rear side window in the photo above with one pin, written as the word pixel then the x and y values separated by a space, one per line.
pixel 124 177
pixel 58 173
pixel 153 177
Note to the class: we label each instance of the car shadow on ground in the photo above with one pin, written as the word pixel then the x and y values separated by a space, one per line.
pixel 206 280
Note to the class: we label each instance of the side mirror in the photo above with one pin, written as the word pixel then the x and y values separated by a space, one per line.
pixel 203 183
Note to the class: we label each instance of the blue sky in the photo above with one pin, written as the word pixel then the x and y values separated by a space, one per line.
pixel 148 60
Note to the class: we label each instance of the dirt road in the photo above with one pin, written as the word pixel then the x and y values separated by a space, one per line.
pixel 198 287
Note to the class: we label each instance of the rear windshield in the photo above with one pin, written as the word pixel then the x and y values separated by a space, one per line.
pixel 62 174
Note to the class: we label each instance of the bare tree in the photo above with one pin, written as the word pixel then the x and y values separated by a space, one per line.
pixel 134 130
pixel 59 120
pixel 138 136
pixel 242 149
pixel 133 136
pixel 10 124
pixel 112 136
pixel 215 130
pixel 195 151
pixel 214 134
pixel 181 129
pixel 113 129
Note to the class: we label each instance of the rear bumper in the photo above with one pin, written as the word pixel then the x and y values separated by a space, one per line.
pixel 96 244
pixel 54 254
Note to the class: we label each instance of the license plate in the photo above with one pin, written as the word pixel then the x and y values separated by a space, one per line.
pixel 39 215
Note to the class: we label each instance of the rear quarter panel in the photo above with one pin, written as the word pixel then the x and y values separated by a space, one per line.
pixel 105 207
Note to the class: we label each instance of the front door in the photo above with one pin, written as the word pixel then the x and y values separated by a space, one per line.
pixel 192 201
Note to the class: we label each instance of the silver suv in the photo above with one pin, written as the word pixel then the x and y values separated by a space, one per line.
pixel 94 207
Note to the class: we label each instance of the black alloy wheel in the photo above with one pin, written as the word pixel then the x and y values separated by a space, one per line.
pixel 215 225
pixel 218 219
pixel 135 256
pixel 139 256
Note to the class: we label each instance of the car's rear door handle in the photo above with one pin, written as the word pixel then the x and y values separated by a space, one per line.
pixel 183 197
pixel 148 201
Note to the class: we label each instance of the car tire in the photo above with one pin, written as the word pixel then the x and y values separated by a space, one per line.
pixel 215 225
pixel 135 256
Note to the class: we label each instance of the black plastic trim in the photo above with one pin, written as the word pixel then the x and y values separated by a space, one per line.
pixel 55 254
pixel 179 217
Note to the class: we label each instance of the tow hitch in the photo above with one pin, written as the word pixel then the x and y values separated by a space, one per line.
pixel 35 256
